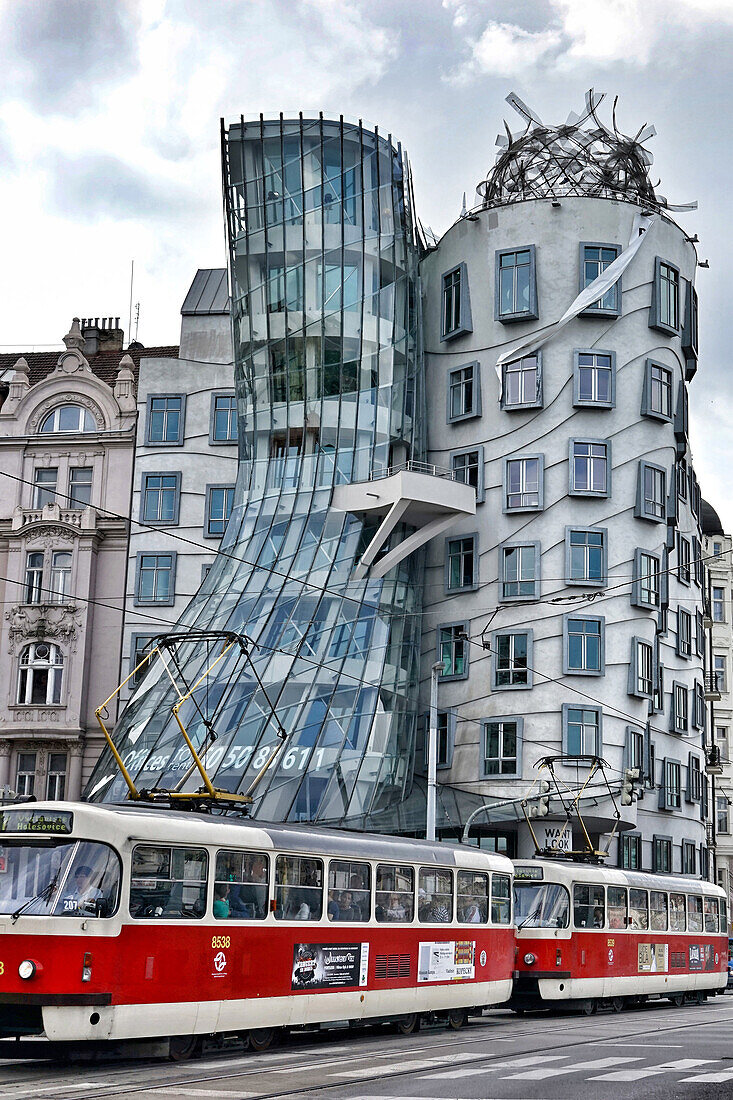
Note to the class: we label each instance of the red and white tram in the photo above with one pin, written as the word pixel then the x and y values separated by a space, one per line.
pixel 588 934
pixel 127 922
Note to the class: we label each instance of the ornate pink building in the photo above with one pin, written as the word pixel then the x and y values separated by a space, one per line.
pixel 67 437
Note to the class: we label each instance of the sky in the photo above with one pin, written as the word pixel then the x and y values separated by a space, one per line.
pixel 110 151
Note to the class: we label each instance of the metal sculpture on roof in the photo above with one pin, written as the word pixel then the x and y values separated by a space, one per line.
pixel 582 157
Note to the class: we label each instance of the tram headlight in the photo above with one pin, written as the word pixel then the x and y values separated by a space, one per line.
pixel 28 969
pixel 530 959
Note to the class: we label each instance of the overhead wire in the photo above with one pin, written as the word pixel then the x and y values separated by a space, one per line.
pixel 167 532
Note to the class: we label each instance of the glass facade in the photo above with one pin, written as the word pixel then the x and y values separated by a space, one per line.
pixel 329 390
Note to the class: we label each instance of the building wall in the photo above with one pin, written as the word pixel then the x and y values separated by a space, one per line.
pixel 717 549
pixel 555 232
pixel 204 370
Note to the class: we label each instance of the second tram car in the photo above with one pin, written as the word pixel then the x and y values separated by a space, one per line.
pixel 588 934
pixel 139 923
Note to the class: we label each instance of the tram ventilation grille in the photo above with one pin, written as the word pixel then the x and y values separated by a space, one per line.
pixel 392 966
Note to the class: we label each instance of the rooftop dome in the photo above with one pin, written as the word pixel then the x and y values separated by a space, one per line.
pixel 582 157
pixel 710 520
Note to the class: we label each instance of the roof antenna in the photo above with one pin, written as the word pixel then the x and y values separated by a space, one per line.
pixel 129 317
pixel 137 318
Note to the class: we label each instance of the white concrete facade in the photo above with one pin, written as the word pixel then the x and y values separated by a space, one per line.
pixel 545 706
pixel 189 403
pixel 718 550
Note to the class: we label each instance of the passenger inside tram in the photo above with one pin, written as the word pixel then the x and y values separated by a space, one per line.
pixel 332 910
pixel 395 909
pixel 248 897
pixel 588 906
pixel 348 910
pixel 298 888
pixel 394 893
pixel 617 906
pixel 221 900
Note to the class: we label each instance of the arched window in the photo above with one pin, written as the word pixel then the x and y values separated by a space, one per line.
pixel 40 674
pixel 68 418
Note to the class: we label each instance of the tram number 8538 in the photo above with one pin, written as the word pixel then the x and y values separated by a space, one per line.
pixel 220 941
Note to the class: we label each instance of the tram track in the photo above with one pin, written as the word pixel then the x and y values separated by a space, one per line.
pixel 424 1052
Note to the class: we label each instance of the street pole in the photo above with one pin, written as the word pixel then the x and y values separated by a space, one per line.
pixel 433 751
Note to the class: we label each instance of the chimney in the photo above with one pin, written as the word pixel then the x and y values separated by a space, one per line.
pixel 102 334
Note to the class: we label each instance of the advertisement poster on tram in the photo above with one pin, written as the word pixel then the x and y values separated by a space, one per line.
pixel 701 956
pixel 653 958
pixel 329 965
pixel 453 960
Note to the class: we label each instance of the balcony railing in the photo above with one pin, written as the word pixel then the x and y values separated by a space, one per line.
pixel 417 468
pixel 713 685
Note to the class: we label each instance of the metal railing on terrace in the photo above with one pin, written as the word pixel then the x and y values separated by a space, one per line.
pixel 416 467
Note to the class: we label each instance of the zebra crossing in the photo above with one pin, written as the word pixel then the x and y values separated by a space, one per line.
pixel 541 1067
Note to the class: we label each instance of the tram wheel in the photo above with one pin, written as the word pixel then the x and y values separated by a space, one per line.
pixel 457 1018
pixel 617 1004
pixel 409 1024
pixel 183 1047
pixel 588 1008
pixel 260 1038
pixel 678 999
pixel 699 998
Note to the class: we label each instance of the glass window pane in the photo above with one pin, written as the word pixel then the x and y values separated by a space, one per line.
pixel 349 893
pixel 435 896
pixel 395 893
pixel 298 888
pixel 241 886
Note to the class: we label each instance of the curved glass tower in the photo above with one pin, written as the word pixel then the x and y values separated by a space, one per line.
pixel 323 258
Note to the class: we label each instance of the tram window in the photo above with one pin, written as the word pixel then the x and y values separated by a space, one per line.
pixel 435 896
pixel 638 909
pixel 694 913
pixel 588 906
pixel 617 907
pixel 711 914
pixel 395 893
pixel 168 883
pixel 541 905
pixel 658 910
pixel 501 908
pixel 723 917
pixel 677 922
pixel 298 888
pixel 241 885
pixel 349 891
pixel 473 897
pixel 68 879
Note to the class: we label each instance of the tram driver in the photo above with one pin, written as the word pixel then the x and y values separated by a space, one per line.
pixel 85 895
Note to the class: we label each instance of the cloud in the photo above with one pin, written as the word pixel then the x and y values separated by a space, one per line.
pixel 95 187
pixel 580 33
pixel 504 48
pixel 61 55
pixel 7 156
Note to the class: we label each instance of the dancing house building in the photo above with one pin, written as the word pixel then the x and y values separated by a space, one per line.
pixel 545 465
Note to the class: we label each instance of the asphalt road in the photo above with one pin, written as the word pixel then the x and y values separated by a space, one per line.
pixel 650 1052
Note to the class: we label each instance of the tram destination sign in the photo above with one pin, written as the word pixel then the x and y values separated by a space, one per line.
pixel 528 872
pixel 36 821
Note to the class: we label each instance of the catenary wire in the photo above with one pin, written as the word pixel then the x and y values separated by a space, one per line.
pixel 547 599
pixel 359 680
